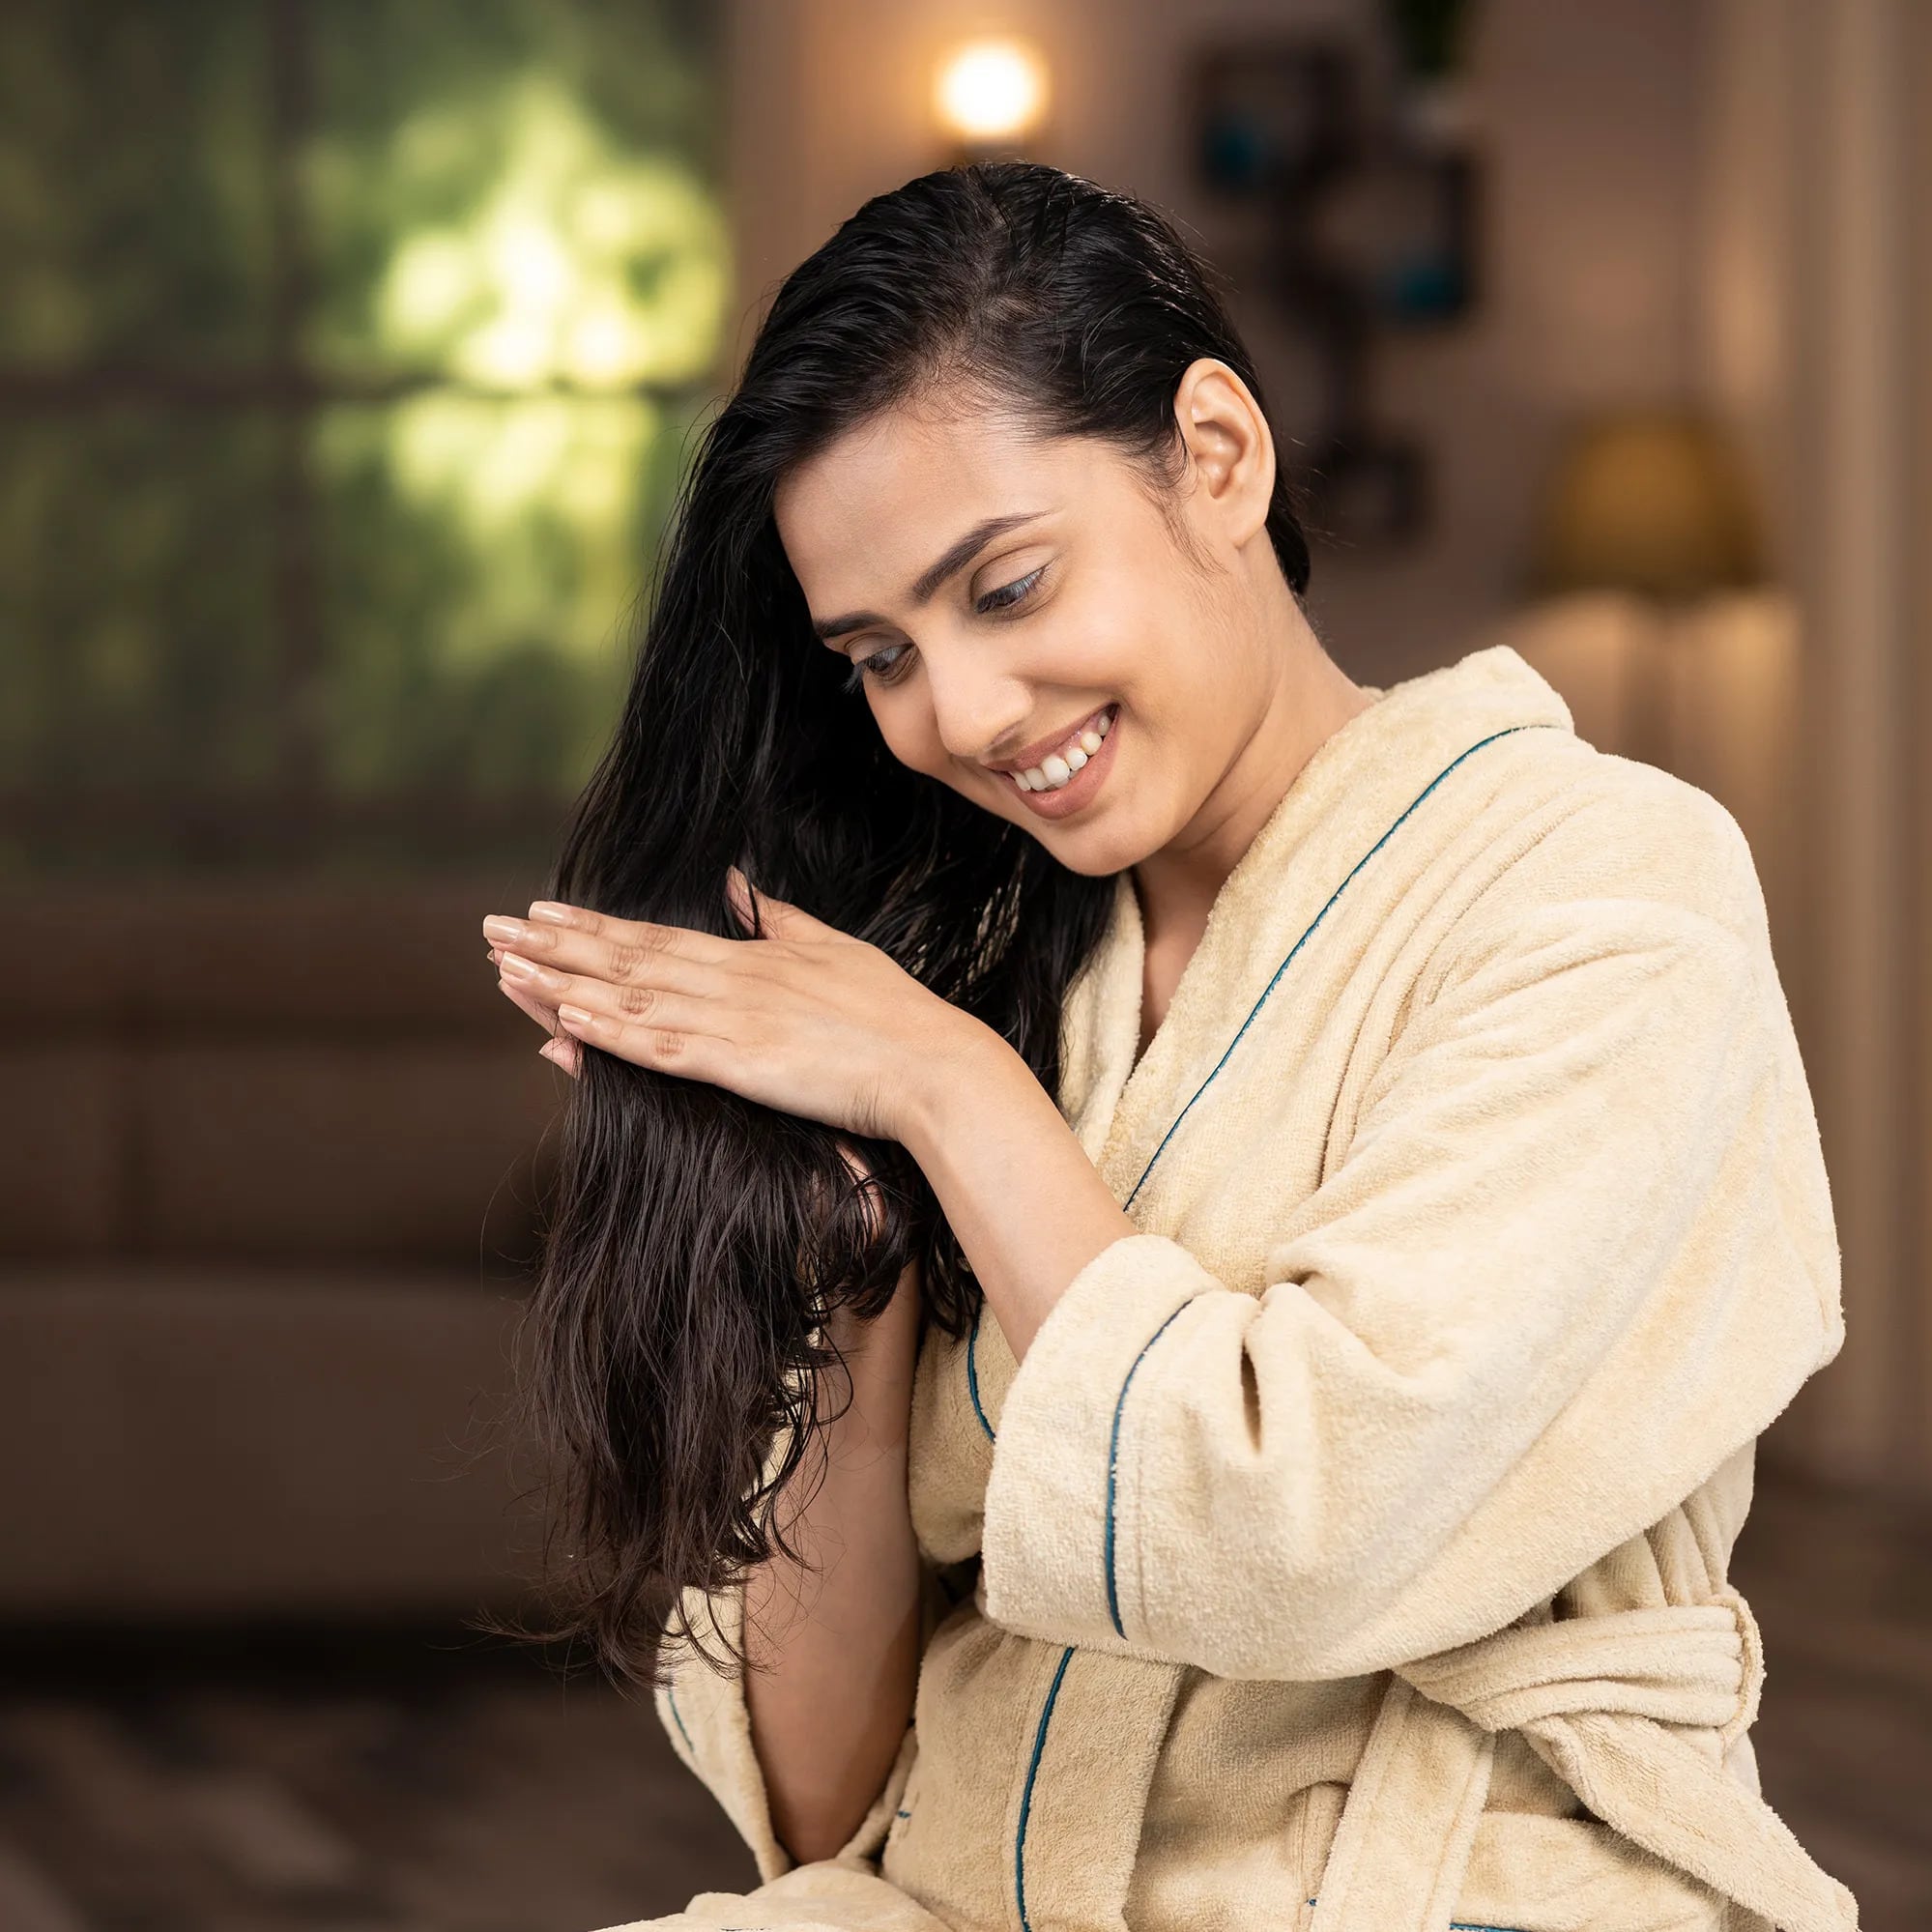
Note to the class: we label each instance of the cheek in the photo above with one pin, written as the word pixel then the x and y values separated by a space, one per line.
pixel 1132 624
pixel 910 731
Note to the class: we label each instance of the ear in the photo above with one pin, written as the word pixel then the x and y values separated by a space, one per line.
pixel 1229 447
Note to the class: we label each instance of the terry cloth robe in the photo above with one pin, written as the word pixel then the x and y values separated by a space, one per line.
pixel 1349 1552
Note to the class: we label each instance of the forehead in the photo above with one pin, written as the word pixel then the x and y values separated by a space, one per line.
pixel 863 517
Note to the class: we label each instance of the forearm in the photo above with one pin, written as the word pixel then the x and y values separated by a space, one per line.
pixel 1028 1205
pixel 836 1643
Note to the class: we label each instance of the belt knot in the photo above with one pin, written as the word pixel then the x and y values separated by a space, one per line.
pixel 1694 1664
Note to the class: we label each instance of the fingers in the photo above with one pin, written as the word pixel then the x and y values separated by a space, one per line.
pixel 641 1024
pixel 547 993
pixel 634 989
pixel 670 1044
pixel 649 1026
pixel 612 949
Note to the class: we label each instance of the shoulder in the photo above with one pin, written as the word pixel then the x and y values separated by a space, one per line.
pixel 1575 824
pixel 1598 876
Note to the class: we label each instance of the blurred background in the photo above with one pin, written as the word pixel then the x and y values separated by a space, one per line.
pixel 348 353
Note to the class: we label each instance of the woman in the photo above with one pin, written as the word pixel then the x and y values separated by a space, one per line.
pixel 1225 1233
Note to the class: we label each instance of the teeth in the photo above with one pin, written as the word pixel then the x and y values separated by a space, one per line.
pixel 1057 767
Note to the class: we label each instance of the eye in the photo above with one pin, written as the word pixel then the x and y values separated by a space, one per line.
pixel 1010 595
pixel 886 657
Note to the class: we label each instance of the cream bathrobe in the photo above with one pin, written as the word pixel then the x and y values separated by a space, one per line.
pixel 1349 1552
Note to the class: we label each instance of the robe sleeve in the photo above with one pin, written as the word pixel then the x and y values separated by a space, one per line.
pixel 1578 1250
pixel 706 1717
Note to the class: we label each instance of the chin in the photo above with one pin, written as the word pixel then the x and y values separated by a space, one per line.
pixel 1096 850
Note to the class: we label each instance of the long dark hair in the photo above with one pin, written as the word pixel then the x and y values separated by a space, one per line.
pixel 695 1242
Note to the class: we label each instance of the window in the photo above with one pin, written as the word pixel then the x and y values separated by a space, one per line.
pixel 349 355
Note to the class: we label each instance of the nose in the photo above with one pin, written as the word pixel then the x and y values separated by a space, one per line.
pixel 974 706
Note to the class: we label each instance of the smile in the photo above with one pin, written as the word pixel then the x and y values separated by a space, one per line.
pixel 1064 780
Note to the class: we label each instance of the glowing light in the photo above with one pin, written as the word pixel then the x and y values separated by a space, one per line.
pixel 529 265
pixel 526 449
pixel 554 254
pixel 605 217
pixel 575 261
pixel 511 352
pixel 991 90
pixel 432 278
pixel 601 346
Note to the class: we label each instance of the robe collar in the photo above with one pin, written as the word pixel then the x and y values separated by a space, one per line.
pixel 1352 792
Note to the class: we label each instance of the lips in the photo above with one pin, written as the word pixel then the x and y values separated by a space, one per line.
pixel 1030 755
pixel 1056 802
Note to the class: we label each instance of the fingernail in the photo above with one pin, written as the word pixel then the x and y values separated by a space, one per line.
pixel 550 912
pixel 576 1015
pixel 517 968
pixel 506 932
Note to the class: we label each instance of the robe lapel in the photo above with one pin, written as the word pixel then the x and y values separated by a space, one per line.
pixel 1102 1024
pixel 1329 828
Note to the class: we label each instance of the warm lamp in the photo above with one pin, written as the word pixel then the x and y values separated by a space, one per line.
pixel 990 95
pixel 1653 507
pixel 1653 503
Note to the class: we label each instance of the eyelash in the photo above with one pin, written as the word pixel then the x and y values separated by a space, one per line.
pixel 1008 596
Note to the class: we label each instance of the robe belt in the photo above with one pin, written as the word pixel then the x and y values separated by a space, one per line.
pixel 1633 1711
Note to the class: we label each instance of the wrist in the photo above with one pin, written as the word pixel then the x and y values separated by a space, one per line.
pixel 954 1083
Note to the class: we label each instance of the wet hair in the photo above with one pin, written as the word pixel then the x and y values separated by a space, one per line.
pixel 694 1242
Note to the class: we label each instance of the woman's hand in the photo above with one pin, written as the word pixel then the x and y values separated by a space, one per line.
pixel 808 1020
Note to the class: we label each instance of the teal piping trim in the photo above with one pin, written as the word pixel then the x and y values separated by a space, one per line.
pixel 1313 924
pixel 1121 1401
pixel 676 1718
pixel 1113 1462
pixel 972 1370
pixel 1026 1792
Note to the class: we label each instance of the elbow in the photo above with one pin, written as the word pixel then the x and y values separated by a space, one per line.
pixel 821 1821
pixel 813 1833
pixel 818 1813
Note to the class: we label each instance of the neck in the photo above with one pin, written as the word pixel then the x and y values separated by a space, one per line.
pixel 1310 698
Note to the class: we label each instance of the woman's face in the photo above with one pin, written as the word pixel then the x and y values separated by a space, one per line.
pixel 995 592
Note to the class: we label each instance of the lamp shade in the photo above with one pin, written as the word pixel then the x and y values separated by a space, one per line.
pixel 1655 504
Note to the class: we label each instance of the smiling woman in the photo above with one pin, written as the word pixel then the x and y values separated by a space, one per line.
pixel 977 382
pixel 1167 1266
pixel 988 652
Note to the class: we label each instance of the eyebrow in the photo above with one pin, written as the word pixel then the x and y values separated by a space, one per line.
pixel 955 558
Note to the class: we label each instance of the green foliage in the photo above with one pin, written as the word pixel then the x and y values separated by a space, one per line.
pixel 481 560
pixel 395 572
pixel 133 202
pixel 135 640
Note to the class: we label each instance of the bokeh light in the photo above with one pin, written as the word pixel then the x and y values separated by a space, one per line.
pixel 991 89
